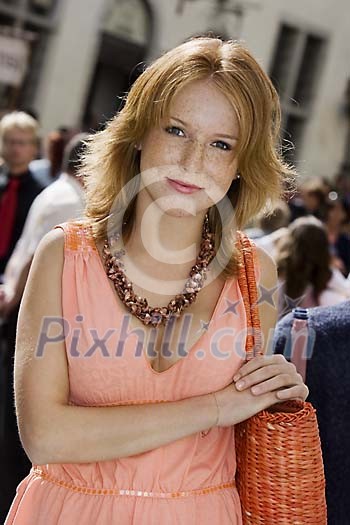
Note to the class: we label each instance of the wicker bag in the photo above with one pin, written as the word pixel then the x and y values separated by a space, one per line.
pixel 280 475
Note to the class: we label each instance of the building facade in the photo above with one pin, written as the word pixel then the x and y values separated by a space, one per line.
pixel 84 57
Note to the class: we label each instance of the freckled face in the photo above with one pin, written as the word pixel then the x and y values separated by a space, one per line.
pixel 195 144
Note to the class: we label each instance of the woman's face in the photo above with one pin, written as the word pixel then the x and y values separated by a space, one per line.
pixel 196 145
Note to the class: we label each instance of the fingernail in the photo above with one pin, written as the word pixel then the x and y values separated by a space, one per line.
pixel 256 390
pixel 240 385
pixel 236 377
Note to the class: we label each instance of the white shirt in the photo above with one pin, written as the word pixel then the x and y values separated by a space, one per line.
pixel 337 291
pixel 40 169
pixel 61 201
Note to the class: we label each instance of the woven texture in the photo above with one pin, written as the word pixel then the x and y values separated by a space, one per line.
pixel 280 475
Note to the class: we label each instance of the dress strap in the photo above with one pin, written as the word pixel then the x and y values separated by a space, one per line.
pixel 77 236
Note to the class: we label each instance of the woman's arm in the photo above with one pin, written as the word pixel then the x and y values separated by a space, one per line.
pixel 269 373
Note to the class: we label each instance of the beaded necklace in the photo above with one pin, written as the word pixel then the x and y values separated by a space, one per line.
pixel 138 306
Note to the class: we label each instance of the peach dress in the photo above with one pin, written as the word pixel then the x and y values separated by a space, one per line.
pixel 189 481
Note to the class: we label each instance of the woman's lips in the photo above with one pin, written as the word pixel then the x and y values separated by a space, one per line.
pixel 182 188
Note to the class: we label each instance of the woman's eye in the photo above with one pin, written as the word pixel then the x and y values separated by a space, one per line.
pixel 222 145
pixel 173 130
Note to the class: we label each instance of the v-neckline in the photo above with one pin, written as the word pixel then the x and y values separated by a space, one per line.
pixel 117 301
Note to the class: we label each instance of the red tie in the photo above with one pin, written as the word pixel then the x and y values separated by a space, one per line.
pixel 8 208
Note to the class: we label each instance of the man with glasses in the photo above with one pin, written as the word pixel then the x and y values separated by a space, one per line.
pixel 18 188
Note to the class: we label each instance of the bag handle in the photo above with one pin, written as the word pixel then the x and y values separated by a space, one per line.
pixel 247 284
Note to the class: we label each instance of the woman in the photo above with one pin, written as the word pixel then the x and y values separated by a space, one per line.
pixel 199 114
pixel 305 266
pixel 337 220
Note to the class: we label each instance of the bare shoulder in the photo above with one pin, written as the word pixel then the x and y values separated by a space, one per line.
pixel 268 268
pixel 268 296
pixel 49 254
pixel 52 241
pixel 43 286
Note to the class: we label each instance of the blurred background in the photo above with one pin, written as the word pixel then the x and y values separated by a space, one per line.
pixel 65 66
pixel 70 61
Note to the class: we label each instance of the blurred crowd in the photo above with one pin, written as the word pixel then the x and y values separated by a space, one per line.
pixel 308 236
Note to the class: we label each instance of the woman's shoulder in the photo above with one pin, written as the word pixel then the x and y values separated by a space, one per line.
pixel 46 269
pixel 74 235
pixel 266 269
pixel 55 241
pixel 261 255
pixel 50 249
pixel 266 262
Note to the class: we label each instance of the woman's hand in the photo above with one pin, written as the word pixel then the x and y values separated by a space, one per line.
pixel 272 373
pixel 267 381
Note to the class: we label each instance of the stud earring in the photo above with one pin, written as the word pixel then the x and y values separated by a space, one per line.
pixel 238 176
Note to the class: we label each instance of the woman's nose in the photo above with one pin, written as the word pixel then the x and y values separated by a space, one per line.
pixel 193 156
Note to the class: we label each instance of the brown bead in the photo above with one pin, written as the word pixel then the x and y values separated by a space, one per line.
pixel 139 305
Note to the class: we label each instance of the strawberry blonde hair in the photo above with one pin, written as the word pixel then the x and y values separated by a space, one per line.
pixel 111 160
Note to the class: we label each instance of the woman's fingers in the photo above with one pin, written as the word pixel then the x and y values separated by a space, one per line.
pixel 272 384
pixel 287 371
pixel 257 377
pixel 271 373
pixel 259 362
pixel 300 392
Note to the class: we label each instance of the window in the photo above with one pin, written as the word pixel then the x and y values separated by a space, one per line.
pixel 41 7
pixel 34 20
pixel 295 72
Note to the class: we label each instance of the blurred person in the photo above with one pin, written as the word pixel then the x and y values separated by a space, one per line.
pixel 47 168
pixel 18 188
pixel 31 112
pixel 18 146
pixel 327 377
pixel 327 185
pixel 310 199
pixel 61 201
pixel 342 185
pixel 305 270
pixel 277 217
pixel 273 226
pixel 337 219
pixel 136 436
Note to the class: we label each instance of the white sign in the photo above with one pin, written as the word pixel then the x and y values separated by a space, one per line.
pixel 13 60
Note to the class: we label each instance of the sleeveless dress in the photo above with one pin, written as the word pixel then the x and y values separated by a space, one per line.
pixel 189 481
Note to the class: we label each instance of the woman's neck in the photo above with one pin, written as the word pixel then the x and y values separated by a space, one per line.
pixel 162 239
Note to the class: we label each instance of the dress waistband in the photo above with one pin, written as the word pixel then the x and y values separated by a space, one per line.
pixel 131 492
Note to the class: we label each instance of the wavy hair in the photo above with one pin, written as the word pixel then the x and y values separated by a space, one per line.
pixel 111 160
pixel 303 258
